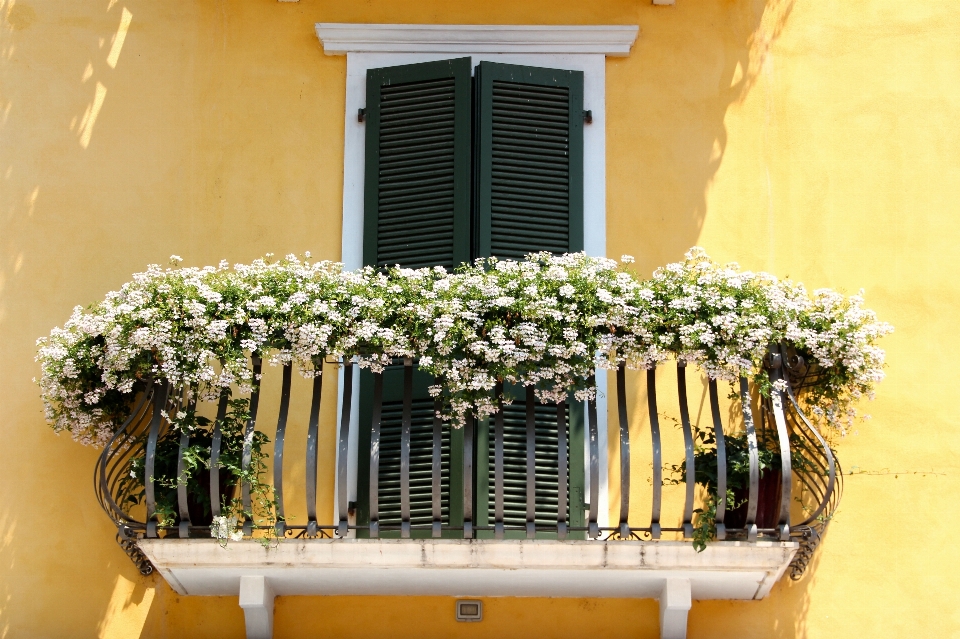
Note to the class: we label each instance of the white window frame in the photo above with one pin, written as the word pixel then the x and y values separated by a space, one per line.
pixel 580 48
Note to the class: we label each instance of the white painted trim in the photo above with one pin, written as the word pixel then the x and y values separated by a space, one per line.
pixel 473 568
pixel 340 39
pixel 594 188
pixel 675 604
pixel 256 599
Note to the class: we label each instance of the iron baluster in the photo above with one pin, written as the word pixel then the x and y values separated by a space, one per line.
pixel 111 463
pixel 248 436
pixel 374 482
pixel 281 525
pixel 498 465
pixel 721 461
pixel 593 527
pixel 562 489
pixel 435 469
pixel 833 473
pixel 216 441
pixel 531 463
pixel 753 495
pixel 624 451
pixel 405 447
pixel 468 477
pixel 775 371
pixel 343 450
pixel 150 494
pixel 312 449
pixel 657 454
pixel 690 475
pixel 182 507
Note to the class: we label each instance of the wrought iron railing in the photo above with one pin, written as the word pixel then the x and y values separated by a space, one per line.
pixel 808 491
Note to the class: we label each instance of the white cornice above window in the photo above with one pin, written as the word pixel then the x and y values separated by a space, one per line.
pixel 611 40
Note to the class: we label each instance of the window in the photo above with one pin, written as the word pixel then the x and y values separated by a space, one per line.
pixel 372 46
pixel 460 165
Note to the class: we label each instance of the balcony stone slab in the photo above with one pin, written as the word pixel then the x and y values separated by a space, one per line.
pixel 672 572
pixel 477 568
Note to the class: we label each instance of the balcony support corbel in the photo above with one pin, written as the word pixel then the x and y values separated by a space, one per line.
pixel 675 602
pixel 256 599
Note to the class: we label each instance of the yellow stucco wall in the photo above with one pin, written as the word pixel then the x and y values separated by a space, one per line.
pixel 813 139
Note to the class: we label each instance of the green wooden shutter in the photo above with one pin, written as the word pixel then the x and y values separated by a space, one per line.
pixel 528 160
pixel 416 214
pixel 421 457
pixel 528 173
pixel 515 467
pixel 417 170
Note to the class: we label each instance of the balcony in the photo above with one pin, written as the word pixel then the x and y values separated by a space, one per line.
pixel 509 506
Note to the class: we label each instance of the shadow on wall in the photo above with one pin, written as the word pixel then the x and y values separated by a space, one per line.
pixel 667 104
pixel 82 89
pixel 61 573
pixel 782 615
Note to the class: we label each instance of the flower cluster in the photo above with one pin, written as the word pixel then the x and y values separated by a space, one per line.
pixel 225 529
pixel 548 321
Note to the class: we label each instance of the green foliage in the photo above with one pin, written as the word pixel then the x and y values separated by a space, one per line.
pixel 549 321
pixel 196 460
pixel 737 451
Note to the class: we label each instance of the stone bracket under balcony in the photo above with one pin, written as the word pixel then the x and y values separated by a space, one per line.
pixel 672 572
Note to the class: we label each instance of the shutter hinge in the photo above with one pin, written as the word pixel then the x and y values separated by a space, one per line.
pixel 588 117
pixel 361 115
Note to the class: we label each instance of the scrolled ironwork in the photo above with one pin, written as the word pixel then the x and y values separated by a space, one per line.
pixel 132 550
pixel 809 470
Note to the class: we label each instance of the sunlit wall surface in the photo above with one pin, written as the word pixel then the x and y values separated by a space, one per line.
pixel 812 139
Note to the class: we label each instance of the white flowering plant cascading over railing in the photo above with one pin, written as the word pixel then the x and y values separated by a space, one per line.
pixel 547 323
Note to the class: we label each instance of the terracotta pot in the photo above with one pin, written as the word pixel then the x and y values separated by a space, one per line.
pixel 200 514
pixel 768 503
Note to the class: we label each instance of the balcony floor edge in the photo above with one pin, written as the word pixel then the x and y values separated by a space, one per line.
pixel 472 568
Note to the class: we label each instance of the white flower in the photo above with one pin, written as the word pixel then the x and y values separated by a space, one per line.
pixel 493 320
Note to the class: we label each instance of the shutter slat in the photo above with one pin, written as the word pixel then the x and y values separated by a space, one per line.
pixel 402 139
pixel 429 204
pixel 417 192
pixel 530 161
pixel 543 162
pixel 421 464
pixel 509 178
pixel 435 148
pixel 515 465
pixel 529 90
